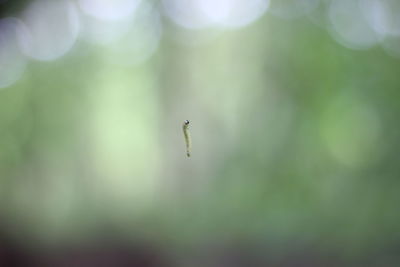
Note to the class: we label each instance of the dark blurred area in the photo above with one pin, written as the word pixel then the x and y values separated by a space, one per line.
pixel 102 252
pixel 293 110
pixel 12 7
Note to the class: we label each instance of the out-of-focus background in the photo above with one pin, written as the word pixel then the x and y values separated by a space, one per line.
pixel 294 109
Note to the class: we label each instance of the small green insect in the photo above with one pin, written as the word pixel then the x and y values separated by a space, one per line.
pixel 186 134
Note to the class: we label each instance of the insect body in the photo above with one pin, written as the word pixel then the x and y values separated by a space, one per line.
pixel 186 134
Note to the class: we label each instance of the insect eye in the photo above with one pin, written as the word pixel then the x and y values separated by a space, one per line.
pixel 186 122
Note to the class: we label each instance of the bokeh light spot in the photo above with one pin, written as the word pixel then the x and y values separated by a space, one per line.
pixel 350 26
pixel 383 15
pixel 12 62
pixel 109 10
pixel 196 14
pixel 51 29
pixel 103 32
pixel 142 39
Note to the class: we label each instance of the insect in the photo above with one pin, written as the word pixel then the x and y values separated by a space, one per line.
pixel 186 134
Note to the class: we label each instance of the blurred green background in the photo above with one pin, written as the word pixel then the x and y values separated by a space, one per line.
pixel 294 109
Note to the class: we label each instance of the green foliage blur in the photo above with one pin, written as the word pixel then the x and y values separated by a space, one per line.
pixel 294 135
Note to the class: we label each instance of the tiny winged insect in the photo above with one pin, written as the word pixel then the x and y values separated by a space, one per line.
pixel 186 134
